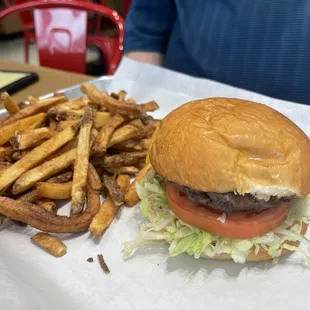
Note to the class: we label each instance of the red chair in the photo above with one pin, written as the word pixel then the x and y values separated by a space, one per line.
pixel 126 6
pixel 99 19
pixel 61 33
pixel 28 26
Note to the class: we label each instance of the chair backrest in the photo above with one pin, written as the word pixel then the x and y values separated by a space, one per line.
pixel 61 38
pixel 63 41
pixel 26 17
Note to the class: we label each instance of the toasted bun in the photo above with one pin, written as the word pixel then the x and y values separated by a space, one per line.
pixel 232 145
pixel 262 255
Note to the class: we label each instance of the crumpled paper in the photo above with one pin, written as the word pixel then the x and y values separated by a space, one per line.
pixel 33 279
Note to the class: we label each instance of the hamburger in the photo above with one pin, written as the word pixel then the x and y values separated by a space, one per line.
pixel 229 179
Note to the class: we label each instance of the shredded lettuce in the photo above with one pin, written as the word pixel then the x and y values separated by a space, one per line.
pixel 163 226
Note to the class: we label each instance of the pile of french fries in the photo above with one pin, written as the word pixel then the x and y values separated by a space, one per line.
pixel 55 148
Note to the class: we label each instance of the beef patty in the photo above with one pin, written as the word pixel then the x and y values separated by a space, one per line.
pixel 228 202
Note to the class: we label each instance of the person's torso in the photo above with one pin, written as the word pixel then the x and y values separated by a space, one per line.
pixel 261 45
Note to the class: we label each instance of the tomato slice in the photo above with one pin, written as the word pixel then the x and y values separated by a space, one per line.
pixel 238 225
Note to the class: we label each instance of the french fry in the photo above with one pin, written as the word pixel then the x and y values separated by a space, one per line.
pixel 101 119
pixel 149 129
pixel 22 105
pixel 54 190
pixel 4 165
pixel 7 132
pixel 64 124
pixel 143 144
pixel 76 104
pixel 93 135
pixel 79 103
pixel 141 164
pixel 114 96
pixel 17 155
pixel 43 171
pixel 8 103
pixel 119 160
pixel 128 170
pixel 93 204
pixel 48 204
pixel 81 162
pixel 50 243
pixel 150 106
pixel 103 108
pixel 5 152
pixel 133 145
pixel 114 190
pixel 149 120
pixel 124 108
pixel 131 170
pixel 124 133
pixel 60 95
pixel 136 122
pixel 52 125
pixel 33 100
pixel 122 95
pixel 104 217
pixel 123 182
pixel 36 156
pixel 93 178
pixel 65 114
pixel 131 101
pixel 41 106
pixel 61 178
pixel 105 134
pixel 31 195
pixel 24 139
pixel 41 219
pixel 70 105
pixel 64 149
pixel 131 196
